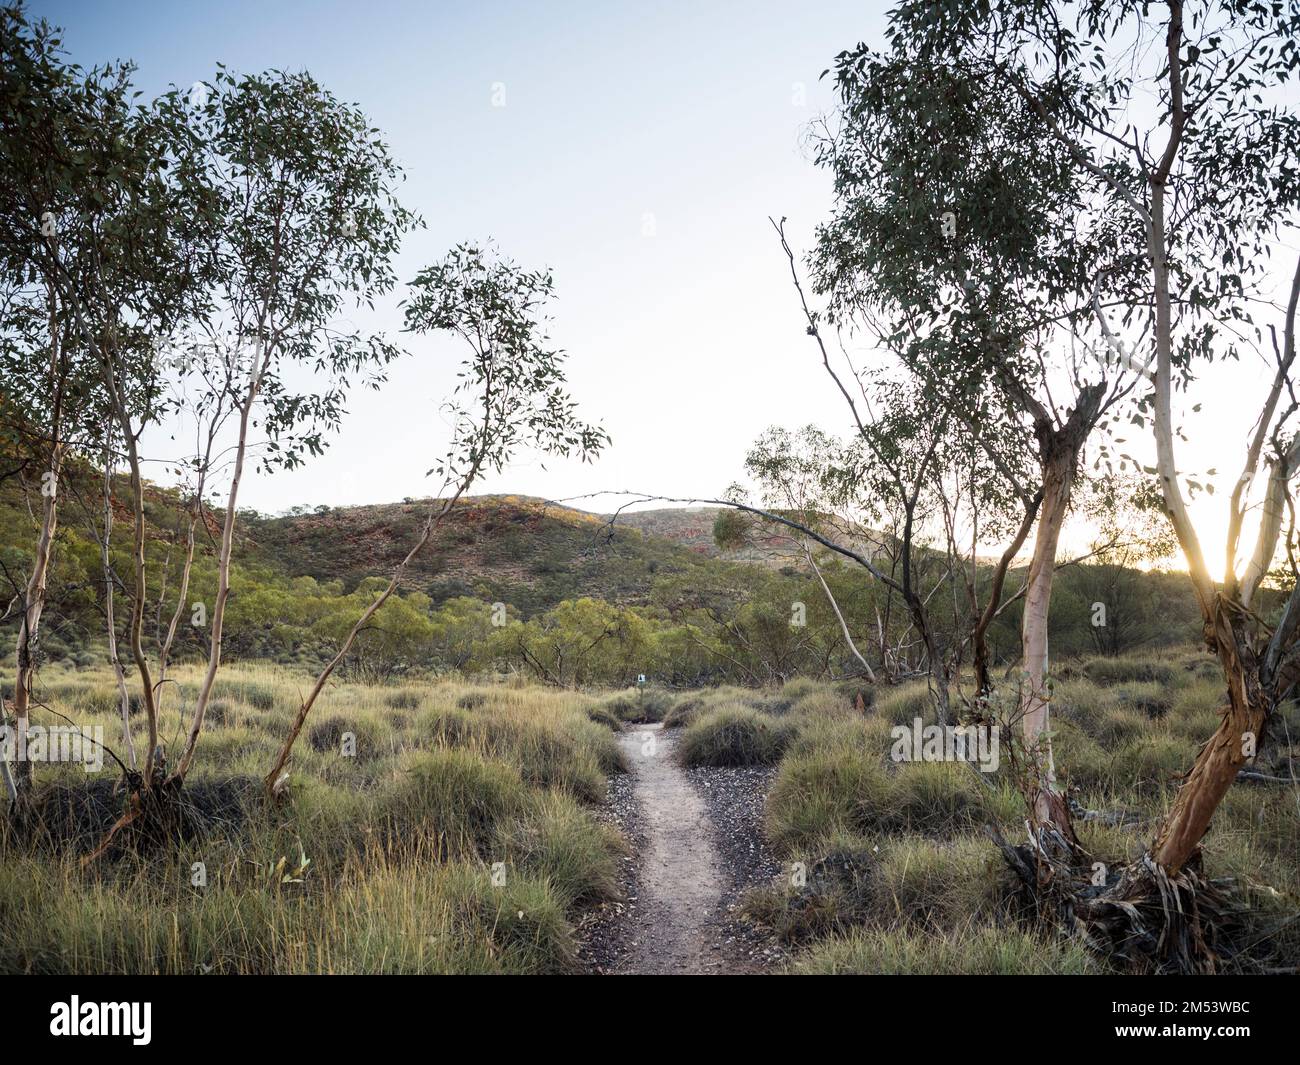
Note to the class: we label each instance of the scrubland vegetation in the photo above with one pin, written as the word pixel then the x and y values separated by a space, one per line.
pixel 405 797
pixel 384 858
pixel 896 872
pixel 383 739
pixel 300 581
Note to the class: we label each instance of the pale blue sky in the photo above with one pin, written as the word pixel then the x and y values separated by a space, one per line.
pixel 687 343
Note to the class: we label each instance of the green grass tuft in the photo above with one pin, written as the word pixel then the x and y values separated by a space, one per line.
pixel 735 736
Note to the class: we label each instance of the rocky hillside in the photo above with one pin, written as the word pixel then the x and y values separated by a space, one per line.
pixel 518 548
pixel 692 528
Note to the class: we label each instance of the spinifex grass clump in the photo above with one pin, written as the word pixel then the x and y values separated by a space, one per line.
pixel 979 951
pixel 735 736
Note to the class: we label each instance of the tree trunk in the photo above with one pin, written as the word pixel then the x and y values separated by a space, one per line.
pixel 839 615
pixel 1044 800
pixel 33 606
pixel 1059 457
pixel 124 697
pixel 136 629
pixel 223 567
pixel 1249 702
pixel 1238 735
pixel 979 635
pixel 29 629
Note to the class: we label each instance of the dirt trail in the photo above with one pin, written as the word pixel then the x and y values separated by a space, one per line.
pixel 681 878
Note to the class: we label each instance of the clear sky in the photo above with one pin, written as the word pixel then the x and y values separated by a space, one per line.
pixel 639 152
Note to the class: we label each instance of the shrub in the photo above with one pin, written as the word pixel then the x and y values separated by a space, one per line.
pixel 523 921
pixel 785 698
pixel 639 705
pixel 1126 669
pixel 838 893
pixel 849 691
pixel 326 736
pixel 1151 699
pixel 563 844
pixel 98 700
pixel 219 712
pixel 1151 765
pixel 452 799
pixel 602 715
pixel 823 704
pixel 910 880
pixel 939 884
pixel 904 704
pixel 236 688
pixel 836 787
pixel 445 726
pixel 842 785
pixel 734 737
pixel 685 709
pixel 933 797
pixel 574 755
pixel 1111 715
pixel 1196 710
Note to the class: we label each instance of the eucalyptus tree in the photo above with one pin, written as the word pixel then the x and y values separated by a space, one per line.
pixel 967 245
pixel 297 191
pixel 1169 116
pixel 86 254
pixel 510 395
pixel 218 237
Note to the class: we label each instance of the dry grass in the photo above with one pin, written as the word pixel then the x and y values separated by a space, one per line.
pixel 900 878
pixel 447 828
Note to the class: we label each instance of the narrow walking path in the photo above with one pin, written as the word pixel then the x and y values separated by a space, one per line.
pixel 681 879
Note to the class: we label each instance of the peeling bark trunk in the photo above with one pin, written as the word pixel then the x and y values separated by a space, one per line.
pixel 1240 732
pixel 1250 700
